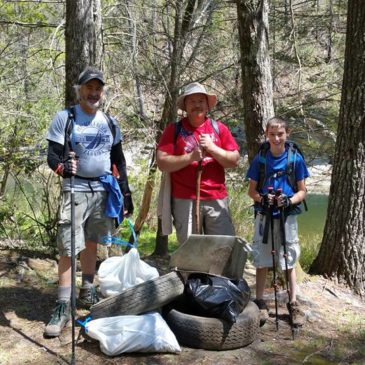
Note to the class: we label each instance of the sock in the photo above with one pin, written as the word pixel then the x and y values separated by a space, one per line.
pixel 64 293
pixel 87 280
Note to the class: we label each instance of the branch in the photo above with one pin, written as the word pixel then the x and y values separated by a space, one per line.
pixel 29 25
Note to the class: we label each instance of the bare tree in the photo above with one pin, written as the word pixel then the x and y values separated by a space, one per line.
pixel 342 252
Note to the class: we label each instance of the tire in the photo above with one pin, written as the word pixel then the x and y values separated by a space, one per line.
pixel 213 333
pixel 144 297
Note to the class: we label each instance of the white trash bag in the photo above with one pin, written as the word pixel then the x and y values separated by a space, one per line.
pixel 121 272
pixel 144 333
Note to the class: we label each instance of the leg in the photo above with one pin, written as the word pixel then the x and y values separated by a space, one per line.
pixel 62 311
pixel 292 285
pixel 216 217
pixel 88 258
pixel 64 271
pixel 97 228
pixel 261 274
pixel 182 211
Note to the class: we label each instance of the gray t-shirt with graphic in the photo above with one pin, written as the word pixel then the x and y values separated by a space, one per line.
pixel 91 140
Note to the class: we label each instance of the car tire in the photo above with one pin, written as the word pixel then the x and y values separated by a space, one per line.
pixel 214 333
pixel 144 297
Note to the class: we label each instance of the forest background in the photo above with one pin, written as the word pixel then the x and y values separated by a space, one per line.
pixel 306 48
pixel 311 53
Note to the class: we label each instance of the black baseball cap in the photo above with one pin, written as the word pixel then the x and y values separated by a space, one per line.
pixel 89 74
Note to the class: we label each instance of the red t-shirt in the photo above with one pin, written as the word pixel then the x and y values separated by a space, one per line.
pixel 184 181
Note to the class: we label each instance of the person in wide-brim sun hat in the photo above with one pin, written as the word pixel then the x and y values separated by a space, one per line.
pixel 194 152
pixel 196 88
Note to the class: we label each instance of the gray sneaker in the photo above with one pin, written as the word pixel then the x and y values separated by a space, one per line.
pixel 87 297
pixel 60 316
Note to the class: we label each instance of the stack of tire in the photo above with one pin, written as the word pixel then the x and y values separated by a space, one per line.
pixel 190 330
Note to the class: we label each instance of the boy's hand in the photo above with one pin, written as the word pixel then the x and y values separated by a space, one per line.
pixel 283 201
pixel 267 200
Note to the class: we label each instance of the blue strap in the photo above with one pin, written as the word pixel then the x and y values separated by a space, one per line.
pixel 84 323
pixel 119 241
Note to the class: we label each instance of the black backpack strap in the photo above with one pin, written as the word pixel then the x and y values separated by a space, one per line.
pixel 262 165
pixel 290 166
pixel 111 125
pixel 67 146
pixel 178 126
pixel 293 151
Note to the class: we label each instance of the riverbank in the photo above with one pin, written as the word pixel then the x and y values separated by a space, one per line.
pixel 319 181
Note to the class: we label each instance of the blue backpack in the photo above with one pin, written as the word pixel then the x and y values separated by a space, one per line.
pixel 293 150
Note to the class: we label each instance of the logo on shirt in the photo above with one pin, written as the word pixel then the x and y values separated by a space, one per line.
pixel 92 140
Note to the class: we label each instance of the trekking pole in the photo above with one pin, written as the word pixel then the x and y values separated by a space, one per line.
pixel 273 253
pixel 73 263
pixel 197 203
pixel 282 226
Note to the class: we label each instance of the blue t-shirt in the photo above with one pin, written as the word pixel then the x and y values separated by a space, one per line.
pixel 274 177
pixel 92 140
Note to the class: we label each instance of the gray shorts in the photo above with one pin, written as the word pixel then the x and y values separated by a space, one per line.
pixel 91 223
pixel 262 252
pixel 214 216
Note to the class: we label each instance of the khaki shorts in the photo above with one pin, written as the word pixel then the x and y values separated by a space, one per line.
pixel 262 252
pixel 91 223
pixel 214 216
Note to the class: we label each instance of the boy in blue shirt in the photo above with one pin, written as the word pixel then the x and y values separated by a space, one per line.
pixel 286 201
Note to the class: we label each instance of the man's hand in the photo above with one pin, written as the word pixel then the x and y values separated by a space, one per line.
pixel 128 205
pixel 206 142
pixel 197 154
pixel 68 168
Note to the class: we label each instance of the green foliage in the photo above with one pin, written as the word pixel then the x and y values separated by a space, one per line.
pixel 240 205
pixel 309 247
pixel 29 210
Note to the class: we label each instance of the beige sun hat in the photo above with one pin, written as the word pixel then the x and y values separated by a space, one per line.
pixel 195 88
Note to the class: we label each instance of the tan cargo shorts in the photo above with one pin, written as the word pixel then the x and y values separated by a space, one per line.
pixel 91 223
pixel 214 216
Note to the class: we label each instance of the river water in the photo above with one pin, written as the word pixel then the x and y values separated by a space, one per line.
pixel 311 223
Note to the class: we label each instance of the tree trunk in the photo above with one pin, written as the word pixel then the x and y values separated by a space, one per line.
pixel 342 252
pixel 133 50
pixel 83 41
pixel 256 70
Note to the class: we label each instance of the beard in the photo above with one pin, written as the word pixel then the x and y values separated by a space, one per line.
pixel 92 103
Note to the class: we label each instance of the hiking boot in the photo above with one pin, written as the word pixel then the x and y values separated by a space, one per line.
pixel 298 316
pixel 264 310
pixel 87 297
pixel 60 317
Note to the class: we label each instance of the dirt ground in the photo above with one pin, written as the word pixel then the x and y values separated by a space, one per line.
pixel 334 332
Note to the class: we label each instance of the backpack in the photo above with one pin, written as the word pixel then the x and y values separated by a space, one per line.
pixel 293 150
pixel 178 127
pixel 69 127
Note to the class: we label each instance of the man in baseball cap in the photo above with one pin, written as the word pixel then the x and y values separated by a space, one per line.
pixel 95 138
pixel 198 143
pixel 90 73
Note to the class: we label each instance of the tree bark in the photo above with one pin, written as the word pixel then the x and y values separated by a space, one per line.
pixel 257 91
pixel 83 41
pixel 342 252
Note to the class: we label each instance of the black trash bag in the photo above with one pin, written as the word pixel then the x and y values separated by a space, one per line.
pixel 216 296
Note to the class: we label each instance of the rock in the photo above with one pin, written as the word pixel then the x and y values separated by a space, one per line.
pixel 42 265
